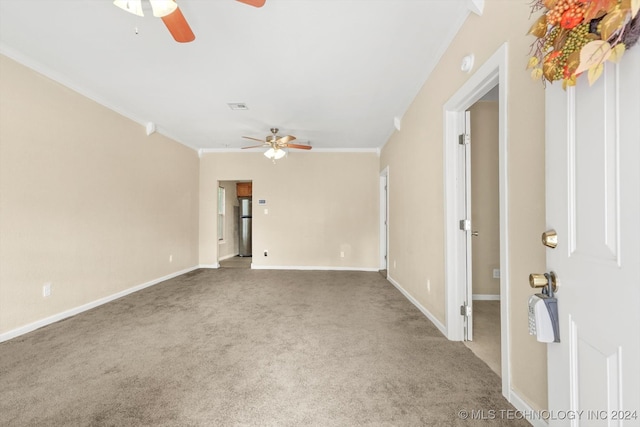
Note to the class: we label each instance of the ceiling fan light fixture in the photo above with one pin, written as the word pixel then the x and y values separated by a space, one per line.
pixel 280 154
pixel 131 6
pixel 162 8
pixel 276 154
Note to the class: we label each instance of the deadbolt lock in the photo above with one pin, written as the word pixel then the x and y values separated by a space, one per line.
pixel 542 280
pixel 550 238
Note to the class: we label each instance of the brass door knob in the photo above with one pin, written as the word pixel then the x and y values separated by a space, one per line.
pixel 540 280
pixel 550 238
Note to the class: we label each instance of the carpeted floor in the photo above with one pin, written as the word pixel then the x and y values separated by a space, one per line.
pixel 486 333
pixel 236 262
pixel 247 347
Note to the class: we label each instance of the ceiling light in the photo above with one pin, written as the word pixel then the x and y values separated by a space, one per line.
pixel 131 6
pixel 163 8
pixel 276 154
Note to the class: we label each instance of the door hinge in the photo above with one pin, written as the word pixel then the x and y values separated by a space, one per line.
pixel 464 138
pixel 465 310
pixel 465 224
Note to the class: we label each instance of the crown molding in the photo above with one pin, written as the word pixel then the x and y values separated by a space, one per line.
pixel 476 6
pixel 202 151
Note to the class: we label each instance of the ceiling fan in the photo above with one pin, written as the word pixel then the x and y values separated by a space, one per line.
pixel 276 144
pixel 171 15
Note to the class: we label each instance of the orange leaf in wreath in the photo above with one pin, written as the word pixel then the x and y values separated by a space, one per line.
pixel 597 8
pixel 569 19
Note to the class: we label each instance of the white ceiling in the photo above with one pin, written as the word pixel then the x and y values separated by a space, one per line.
pixel 334 73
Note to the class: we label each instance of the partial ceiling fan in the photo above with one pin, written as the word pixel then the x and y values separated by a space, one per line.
pixel 276 144
pixel 171 15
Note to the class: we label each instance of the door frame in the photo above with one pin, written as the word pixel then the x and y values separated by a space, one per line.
pixel 384 218
pixel 493 72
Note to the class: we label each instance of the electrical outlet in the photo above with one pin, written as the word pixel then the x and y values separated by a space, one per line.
pixel 341 254
pixel 46 290
pixel 496 273
pixel 266 252
pixel 429 285
pixel 170 258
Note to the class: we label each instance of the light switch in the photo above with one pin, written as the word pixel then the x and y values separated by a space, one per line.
pixel 266 211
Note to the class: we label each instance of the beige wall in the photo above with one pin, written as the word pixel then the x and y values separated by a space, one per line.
pixel 415 160
pixel 88 201
pixel 319 205
pixel 94 206
pixel 485 213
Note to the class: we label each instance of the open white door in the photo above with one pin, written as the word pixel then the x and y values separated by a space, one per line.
pixel 593 202
pixel 384 219
pixel 464 168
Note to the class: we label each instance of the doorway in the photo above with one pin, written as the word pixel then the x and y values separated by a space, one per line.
pixel 485 234
pixel 234 238
pixel 457 294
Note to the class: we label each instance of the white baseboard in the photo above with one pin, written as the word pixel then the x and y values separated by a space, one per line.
pixel 77 310
pixel 306 267
pixel 216 265
pixel 486 297
pixel 526 410
pixel 420 307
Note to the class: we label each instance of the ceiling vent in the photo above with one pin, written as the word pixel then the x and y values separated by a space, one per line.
pixel 238 106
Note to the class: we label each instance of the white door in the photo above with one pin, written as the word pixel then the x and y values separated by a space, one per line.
pixel 384 219
pixel 593 202
pixel 464 203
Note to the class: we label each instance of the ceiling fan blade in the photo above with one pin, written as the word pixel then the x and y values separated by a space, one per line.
pixel 178 27
pixel 255 3
pixel 256 146
pixel 285 139
pixel 255 139
pixel 302 147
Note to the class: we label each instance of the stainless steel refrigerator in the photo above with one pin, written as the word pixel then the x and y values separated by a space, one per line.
pixel 244 226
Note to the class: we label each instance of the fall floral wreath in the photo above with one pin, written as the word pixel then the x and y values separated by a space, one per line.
pixel 574 36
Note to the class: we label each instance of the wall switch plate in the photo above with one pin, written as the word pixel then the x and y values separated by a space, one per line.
pixel 46 290
pixel 496 273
